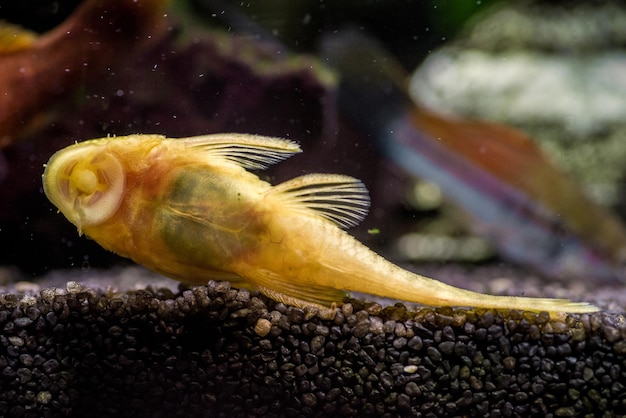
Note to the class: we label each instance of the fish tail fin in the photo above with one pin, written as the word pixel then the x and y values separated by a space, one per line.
pixel 383 278
pixel 424 290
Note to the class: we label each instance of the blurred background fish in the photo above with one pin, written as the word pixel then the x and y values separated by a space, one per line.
pixel 530 210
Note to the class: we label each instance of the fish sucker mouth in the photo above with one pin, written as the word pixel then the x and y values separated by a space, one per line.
pixel 87 188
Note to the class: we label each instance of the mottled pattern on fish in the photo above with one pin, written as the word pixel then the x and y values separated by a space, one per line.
pixel 189 209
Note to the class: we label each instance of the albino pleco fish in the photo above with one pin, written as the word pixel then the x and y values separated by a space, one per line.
pixel 190 209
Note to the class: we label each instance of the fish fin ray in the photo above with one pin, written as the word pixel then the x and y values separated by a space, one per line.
pixel 340 199
pixel 253 152
pixel 284 290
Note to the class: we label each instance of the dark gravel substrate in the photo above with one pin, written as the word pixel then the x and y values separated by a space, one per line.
pixel 216 351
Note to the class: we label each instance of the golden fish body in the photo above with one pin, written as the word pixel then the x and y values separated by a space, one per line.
pixel 190 209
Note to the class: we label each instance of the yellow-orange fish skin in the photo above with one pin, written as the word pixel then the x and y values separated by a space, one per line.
pixel 190 209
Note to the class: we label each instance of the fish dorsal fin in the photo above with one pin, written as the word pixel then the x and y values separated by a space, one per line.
pixel 341 199
pixel 14 38
pixel 252 152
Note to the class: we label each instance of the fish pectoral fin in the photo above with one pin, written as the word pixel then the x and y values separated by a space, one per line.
pixel 14 38
pixel 281 289
pixel 340 199
pixel 252 152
